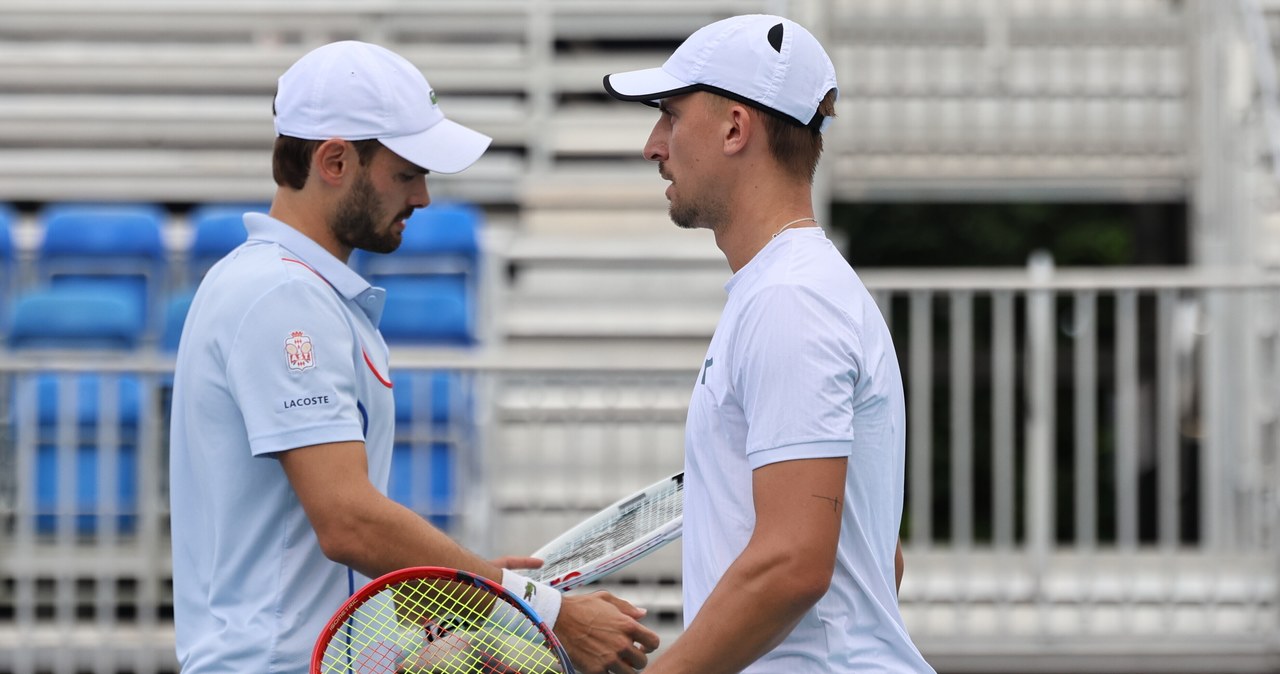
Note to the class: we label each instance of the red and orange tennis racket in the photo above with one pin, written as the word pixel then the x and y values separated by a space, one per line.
pixel 438 621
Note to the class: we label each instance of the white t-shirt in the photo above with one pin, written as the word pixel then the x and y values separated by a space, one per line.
pixel 280 350
pixel 802 366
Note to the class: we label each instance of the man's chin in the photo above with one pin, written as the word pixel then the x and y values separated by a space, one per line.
pixel 383 247
pixel 682 220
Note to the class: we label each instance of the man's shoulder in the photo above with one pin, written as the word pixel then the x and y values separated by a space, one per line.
pixel 828 291
pixel 808 262
pixel 258 269
pixel 257 279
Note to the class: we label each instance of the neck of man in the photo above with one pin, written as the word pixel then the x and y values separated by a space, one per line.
pixel 307 214
pixel 760 208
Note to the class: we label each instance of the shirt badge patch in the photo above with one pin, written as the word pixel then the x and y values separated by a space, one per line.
pixel 298 351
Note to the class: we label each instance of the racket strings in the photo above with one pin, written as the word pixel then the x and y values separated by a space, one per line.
pixel 642 518
pixel 437 626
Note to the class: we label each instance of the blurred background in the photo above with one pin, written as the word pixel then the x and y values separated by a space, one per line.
pixel 1066 209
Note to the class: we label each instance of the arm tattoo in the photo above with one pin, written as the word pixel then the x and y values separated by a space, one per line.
pixel 835 502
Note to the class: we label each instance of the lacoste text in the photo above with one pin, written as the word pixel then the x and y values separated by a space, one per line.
pixel 306 402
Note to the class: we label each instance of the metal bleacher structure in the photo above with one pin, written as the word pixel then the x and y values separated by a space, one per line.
pixel 596 311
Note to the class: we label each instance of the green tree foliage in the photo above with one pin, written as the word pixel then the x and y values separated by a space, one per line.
pixel 981 235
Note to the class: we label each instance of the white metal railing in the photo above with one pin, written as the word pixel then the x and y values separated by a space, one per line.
pixel 1142 366
pixel 1092 471
pixel 1095 447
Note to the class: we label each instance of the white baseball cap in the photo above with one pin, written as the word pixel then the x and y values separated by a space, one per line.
pixel 759 59
pixel 358 91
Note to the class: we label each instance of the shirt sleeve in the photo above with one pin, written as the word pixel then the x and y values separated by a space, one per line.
pixel 796 364
pixel 291 371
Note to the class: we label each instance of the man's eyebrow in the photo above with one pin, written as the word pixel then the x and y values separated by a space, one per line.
pixel 663 106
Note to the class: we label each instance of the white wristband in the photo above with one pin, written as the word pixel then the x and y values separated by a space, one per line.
pixel 542 598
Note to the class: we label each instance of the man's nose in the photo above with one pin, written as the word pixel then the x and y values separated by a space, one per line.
pixel 420 196
pixel 655 149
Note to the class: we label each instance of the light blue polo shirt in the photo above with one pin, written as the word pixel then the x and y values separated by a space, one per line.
pixel 280 350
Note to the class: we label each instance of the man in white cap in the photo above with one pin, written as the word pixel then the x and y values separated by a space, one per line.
pixel 283 416
pixel 795 439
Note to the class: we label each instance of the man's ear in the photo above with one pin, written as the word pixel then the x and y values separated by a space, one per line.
pixel 332 161
pixel 740 124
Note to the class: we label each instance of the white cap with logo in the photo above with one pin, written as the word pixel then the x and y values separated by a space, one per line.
pixel 763 60
pixel 359 91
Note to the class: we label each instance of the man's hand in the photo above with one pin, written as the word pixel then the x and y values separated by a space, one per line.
pixel 601 634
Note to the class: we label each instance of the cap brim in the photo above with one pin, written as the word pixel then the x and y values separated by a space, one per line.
pixel 646 86
pixel 446 147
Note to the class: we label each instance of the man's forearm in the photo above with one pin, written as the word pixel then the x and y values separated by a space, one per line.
pixel 753 608
pixel 390 537
pixel 357 525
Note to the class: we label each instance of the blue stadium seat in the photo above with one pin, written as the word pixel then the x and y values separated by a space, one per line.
pixel 175 315
pixel 8 219
pixel 218 229
pixel 445 234
pixel 88 473
pixel 8 258
pixel 59 209
pixel 433 426
pixel 88 394
pixel 438 397
pixel 117 245
pixel 68 453
pixel 433 279
pixel 436 309
pixel 422 480
pixel 87 506
pixel 443 228
pixel 75 316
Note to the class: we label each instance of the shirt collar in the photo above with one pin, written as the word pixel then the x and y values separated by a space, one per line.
pixel 344 279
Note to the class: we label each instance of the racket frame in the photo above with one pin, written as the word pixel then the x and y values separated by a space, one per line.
pixel 378 585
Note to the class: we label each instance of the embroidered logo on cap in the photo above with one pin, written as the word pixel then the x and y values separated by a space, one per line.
pixel 298 351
